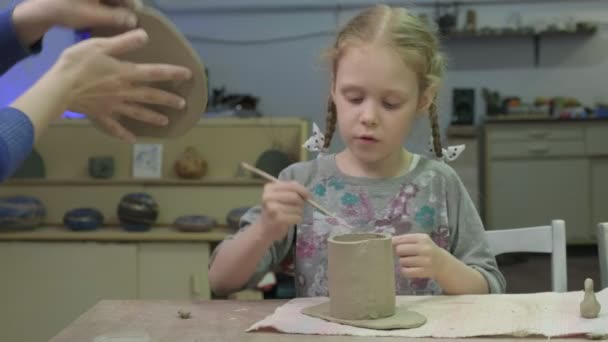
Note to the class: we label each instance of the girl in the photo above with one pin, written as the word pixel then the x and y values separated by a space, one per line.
pixel 386 67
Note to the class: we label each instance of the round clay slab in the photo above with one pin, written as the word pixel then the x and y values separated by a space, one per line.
pixel 402 319
pixel 168 46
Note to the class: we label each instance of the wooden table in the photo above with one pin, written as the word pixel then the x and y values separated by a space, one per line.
pixel 211 321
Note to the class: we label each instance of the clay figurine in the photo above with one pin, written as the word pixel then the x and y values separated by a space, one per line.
pixel 190 164
pixel 167 44
pixel 101 166
pixel 590 307
pixel 137 211
pixel 361 280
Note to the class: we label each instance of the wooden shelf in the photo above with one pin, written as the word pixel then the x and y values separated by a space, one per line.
pixel 549 34
pixel 535 36
pixel 116 234
pixel 131 181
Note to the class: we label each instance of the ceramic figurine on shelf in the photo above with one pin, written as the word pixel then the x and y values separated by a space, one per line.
pixel 21 213
pixel 83 219
pixel 137 211
pixel 194 223
pixel 234 216
pixel 190 164
pixel 101 167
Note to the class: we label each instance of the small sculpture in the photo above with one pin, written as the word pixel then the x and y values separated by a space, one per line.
pixel 233 217
pixel 83 219
pixel 589 307
pixel 137 211
pixel 19 213
pixel 101 167
pixel 194 223
pixel 190 164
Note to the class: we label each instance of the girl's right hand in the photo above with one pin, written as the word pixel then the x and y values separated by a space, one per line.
pixel 282 207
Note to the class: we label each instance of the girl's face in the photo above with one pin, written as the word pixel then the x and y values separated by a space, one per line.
pixel 377 99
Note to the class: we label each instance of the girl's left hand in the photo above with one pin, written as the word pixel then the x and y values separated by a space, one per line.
pixel 419 256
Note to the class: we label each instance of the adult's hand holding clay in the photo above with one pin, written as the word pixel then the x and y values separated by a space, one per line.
pixel 33 18
pixel 419 256
pixel 89 79
pixel 282 206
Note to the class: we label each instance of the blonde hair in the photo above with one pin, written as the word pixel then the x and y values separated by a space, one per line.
pixel 410 36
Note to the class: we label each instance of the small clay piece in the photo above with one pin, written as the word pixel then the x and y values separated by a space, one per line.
pixel 166 44
pixel 190 164
pixel 137 211
pixel 194 223
pixel 83 219
pixel 184 314
pixel 361 280
pixel 19 213
pixel 589 307
pixel 101 167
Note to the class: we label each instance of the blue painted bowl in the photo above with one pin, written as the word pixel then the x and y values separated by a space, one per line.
pixel 194 223
pixel 83 219
pixel 19 213
pixel 137 212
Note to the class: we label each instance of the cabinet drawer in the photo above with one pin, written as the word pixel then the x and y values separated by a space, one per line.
pixel 518 133
pixel 537 149
pixel 597 140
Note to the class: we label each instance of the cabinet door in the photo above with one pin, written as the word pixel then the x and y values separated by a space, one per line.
pixel 173 271
pixel 45 286
pixel 531 192
pixel 599 191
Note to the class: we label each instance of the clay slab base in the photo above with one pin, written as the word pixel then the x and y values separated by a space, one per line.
pixel 402 319
pixel 168 45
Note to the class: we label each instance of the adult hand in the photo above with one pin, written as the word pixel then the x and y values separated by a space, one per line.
pixel 33 18
pixel 103 87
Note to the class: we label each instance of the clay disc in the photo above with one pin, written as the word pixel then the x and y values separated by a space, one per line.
pixel 166 45
pixel 402 319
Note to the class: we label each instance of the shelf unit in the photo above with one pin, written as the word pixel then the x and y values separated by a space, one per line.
pixel 535 36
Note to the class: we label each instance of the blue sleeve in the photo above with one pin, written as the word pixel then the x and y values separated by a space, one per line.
pixel 11 49
pixel 16 140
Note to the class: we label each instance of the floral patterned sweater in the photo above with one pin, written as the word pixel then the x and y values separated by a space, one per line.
pixel 428 198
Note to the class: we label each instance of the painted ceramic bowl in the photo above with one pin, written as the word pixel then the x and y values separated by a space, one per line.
pixel 83 219
pixel 234 216
pixel 194 223
pixel 21 213
pixel 137 211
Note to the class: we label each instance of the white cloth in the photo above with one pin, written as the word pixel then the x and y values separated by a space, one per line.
pixel 547 314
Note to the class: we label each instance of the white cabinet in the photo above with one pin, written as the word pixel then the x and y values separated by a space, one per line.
pixel 534 172
pixel 45 286
pixel 175 271
pixel 533 192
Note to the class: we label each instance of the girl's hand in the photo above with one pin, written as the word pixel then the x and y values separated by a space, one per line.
pixel 419 256
pixel 282 207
